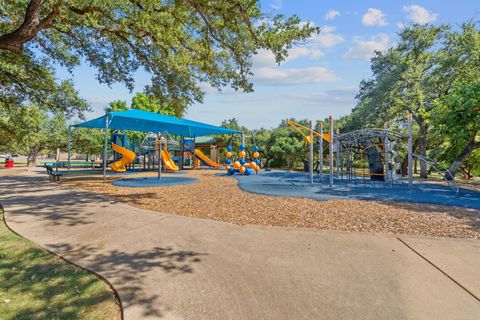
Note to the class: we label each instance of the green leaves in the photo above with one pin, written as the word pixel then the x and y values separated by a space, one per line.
pixel 30 127
pixel 180 43
pixel 142 101
pixel 457 116
pixel 23 79
pixel 433 73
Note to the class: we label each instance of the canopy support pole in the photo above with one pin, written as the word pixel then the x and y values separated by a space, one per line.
pixel 385 157
pixel 183 152
pixel 310 160
pixel 330 152
pixel 69 147
pixel 159 154
pixel 320 153
pixel 337 158
pixel 193 154
pixel 105 142
pixel 410 151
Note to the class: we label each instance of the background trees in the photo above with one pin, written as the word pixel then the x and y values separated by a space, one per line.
pixel 432 73
pixel 457 119
pixel 29 130
pixel 181 45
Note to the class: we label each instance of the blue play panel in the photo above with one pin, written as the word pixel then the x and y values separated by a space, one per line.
pixel 297 185
pixel 145 182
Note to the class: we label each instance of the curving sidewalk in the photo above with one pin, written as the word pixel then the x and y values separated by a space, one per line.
pixel 173 267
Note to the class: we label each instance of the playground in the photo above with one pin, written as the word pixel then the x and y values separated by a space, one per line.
pixel 212 232
pixel 358 184
pixel 224 160
pixel 219 197
pixel 201 216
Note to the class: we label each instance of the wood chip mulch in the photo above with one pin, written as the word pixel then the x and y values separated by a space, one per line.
pixel 219 198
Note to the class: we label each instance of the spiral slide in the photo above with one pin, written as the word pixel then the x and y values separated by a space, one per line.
pixel 127 158
pixel 200 155
pixel 168 162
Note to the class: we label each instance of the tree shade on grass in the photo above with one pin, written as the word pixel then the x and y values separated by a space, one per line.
pixel 35 284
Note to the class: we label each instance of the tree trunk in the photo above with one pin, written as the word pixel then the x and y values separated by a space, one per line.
pixel 422 142
pixel 31 26
pixel 265 164
pixel 458 162
pixel 467 175
pixel 32 156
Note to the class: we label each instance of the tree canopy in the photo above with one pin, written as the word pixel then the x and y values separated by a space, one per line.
pixel 430 73
pixel 181 44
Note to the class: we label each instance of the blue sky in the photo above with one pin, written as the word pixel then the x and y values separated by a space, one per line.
pixel 320 78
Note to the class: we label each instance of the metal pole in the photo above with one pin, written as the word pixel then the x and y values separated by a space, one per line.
pixel 159 154
pixel 385 150
pixel 410 151
pixel 68 147
pixel 337 158
pixel 311 152
pixel 182 150
pixel 105 147
pixel 320 153
pixel 330 150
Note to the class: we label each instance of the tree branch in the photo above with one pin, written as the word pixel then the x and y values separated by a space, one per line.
pixel 31 25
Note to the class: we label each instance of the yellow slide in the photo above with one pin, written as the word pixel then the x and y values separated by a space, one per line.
pixel 127 157
pixel 168 162
pixel 206 159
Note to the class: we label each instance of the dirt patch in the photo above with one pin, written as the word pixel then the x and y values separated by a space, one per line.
pixel 219 198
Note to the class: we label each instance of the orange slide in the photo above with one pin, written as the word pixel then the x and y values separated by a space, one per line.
pixel 168 162
pixel 127 158
pixel 200 155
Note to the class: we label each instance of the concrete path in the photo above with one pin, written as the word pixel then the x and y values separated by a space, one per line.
pixel 174 267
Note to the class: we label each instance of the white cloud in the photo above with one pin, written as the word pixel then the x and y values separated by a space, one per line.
pixel 327 38
pixel 263 58
pixel 364 49
pixel 271 108
pixel 418 14
pixel 400 25
pixel 332 14
pixel 277 5
pixel 339 96
pixel 293 76
pixel 312 49
pixel 267 72
pixel 299 52
pixel 374 17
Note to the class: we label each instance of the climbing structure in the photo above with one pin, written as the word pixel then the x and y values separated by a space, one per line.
pixel 240 164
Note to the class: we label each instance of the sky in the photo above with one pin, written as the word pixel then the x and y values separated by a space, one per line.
pixel 320 77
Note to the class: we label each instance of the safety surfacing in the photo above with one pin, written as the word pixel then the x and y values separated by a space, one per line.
pixel 145 182
pixel 295 184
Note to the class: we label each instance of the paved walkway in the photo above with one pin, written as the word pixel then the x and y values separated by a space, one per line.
pixel 174 267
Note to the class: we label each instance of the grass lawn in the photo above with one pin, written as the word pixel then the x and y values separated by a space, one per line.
pixel 35 284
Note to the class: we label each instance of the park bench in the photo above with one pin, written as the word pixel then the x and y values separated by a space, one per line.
pixel 52 174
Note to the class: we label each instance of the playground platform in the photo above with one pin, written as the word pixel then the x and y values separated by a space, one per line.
pixel 297 184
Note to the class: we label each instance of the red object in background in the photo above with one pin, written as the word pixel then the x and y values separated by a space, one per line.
pixel 8 163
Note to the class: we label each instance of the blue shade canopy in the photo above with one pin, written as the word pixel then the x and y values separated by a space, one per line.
pixel 139 120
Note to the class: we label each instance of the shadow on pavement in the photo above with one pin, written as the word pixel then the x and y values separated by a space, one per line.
pixel 127 271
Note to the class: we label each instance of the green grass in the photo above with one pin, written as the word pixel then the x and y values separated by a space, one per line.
pixel 35 284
